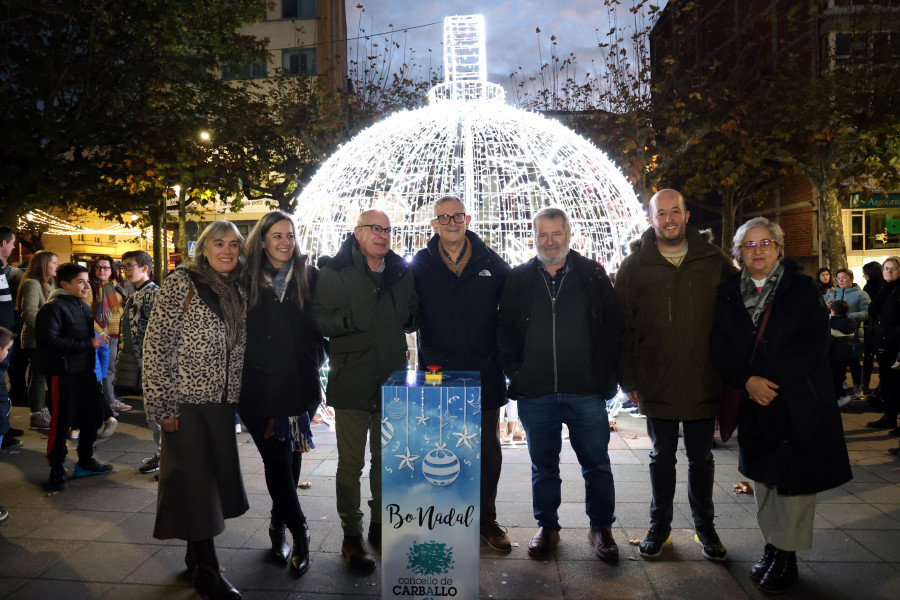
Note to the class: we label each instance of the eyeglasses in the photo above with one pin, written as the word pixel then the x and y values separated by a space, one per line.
pixel 129 266
pixel 890 269
pixel 104 268
pixel 764 244
pixel 445 219
pixel 378 229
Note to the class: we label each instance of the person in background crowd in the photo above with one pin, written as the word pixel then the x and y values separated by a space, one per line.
pixel 858 301
pixel 67 347
pixel 10 279
pixel 6 342
pixel 885 343
pixel 34 291
pixel 667 293
pixel 559 332
pixel 137 266
pixel 365 303
pixel 791 440
pixel 874 281
pixel 106 304
pixel 280 391
pixel 823 277
pixel 193 360
pixel 459 281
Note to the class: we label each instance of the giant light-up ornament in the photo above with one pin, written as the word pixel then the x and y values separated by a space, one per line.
pixel 505 163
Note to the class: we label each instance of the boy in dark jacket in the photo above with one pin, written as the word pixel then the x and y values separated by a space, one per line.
pixel 843 334
pixel 66 346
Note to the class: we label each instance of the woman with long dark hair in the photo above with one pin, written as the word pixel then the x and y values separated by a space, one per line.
pixel 34 291
pixel 107 304
pixel 874 282
pixel 280 391
pixel 193 357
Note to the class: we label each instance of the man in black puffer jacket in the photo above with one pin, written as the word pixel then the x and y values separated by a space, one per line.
pixel 459 281
pixel 67 349
pixel 560 335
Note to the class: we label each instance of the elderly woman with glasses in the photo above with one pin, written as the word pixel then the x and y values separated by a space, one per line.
pixel 790 437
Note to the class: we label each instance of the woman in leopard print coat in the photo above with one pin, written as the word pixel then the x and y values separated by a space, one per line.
pixel 193 357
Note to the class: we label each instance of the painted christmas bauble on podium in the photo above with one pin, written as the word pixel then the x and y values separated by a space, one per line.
pixel 396 410
pixel 387 433
pixel 441 467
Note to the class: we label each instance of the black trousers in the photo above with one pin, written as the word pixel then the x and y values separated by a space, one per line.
pixel 75 402
pixel 889 381
pixel 282 469
pixel 491 462
pixel 698 441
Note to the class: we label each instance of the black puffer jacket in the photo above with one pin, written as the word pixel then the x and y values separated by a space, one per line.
pixel 65 328
pixel 283 356
pixel 884 317
pixel 796 442
pixel 458 328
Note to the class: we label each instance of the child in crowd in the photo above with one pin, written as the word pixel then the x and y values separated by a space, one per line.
pixel 6 342
pixel 843 334
pixel 66 346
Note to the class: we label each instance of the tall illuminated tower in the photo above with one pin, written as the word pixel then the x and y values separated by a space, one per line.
pixel 505 163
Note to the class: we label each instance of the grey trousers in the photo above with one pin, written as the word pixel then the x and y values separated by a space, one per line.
pixel 786 522
pixel 200 482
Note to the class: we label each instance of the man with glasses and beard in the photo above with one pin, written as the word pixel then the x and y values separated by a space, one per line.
pixel 667 289
pixel 365 303
pixel 559 331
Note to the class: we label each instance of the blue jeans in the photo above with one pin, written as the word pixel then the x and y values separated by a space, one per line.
pixel 588 424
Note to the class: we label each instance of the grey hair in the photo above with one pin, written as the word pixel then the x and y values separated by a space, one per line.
pixel 893 259
pixel 215 230
pixel 552 212
pixel 774 229
pixel 447 198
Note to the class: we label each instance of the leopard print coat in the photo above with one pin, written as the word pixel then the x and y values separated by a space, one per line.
pixel 185 356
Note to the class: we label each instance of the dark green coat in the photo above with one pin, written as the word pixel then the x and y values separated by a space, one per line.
pixel 366 325
pixel 668 317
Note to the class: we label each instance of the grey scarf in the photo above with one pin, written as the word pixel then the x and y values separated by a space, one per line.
pixel 756 301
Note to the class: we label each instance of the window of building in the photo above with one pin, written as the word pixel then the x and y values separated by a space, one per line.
pixel 248 71
pixel 298 61
pixel 298 9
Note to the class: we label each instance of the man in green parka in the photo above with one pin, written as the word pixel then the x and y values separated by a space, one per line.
pixel 365 303
pixel 667 289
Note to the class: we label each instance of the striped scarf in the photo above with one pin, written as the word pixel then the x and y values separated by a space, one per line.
pixel 106 302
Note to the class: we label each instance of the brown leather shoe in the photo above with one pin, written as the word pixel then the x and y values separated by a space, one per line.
pixel 541 545
pixel 495 537
pixel 356 556
pixel 605 546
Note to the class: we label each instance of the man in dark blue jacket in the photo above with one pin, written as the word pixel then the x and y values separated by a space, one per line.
pixel 459 281
pixel 560 337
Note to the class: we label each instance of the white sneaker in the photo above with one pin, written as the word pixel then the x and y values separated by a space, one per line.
pixel 109 426
pixel 237 428
pixel 844 400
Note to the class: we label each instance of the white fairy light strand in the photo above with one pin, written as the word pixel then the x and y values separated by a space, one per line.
pixel 506 164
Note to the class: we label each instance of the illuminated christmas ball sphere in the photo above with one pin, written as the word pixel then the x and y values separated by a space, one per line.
pixel 387 433
pixel 504 163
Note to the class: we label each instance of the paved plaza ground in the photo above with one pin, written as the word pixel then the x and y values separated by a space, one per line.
pixel 94 540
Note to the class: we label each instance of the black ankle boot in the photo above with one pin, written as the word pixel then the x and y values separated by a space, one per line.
pixel 190 561
pixel 374 536
pixel 764 562
pixel 281 550
pixel 782 573
pixel 210 584
pixel 300 557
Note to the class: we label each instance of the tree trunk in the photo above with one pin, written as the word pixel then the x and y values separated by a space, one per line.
pixel 728 209
pixel 157 215
pixel 835 248
pixel 182 218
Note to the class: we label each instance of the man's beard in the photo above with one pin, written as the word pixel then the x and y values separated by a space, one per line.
pixel 564 252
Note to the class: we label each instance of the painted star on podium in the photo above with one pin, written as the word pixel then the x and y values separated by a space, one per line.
pixel 465 437
pixel 475 404
pixel 447 421
pixel 406 460
pixel 423 420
